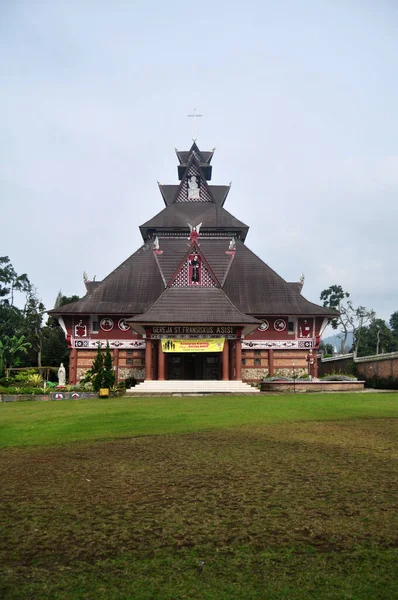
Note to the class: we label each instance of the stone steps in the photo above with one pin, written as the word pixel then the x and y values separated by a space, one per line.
pixel 192 387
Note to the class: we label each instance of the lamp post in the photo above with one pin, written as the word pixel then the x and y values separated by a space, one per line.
pixel 294 378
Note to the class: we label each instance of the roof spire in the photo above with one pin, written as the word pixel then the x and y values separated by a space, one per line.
pixel 195 116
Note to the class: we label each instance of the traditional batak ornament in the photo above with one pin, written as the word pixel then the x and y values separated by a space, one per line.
pixel 106 324
pixel 264 326
pixel 280 325
pixel 80 329
pixel 123 325
pixel 305 330
pixel 194 232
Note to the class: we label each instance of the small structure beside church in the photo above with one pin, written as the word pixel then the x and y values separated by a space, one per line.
pixel 194 302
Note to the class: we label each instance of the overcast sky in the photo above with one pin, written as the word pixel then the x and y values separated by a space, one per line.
pixel 299 98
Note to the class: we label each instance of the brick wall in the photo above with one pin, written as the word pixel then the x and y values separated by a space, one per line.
pixel 255 363
pixel 380 366
pixel 131 363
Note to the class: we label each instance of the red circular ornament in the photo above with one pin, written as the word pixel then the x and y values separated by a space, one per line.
pixel 106 324
pixel 264 326
pixel 280 325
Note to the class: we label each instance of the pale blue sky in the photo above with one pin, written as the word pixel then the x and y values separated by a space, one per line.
pixel 299 97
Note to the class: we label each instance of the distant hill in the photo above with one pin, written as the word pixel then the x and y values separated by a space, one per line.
pixel 335 340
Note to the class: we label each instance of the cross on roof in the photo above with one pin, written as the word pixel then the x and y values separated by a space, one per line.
pixel 194 116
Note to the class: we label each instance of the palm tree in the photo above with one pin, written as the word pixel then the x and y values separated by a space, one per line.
pixel 10 347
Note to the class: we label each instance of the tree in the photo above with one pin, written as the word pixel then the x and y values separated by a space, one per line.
pixel 32 325
pixel 54 346
pixel 351 319
pixel 10 282
pixel 377 338
pixel 109 374
pixel 394 323
pixel 97 370
pixel 10 348
pixel 326 348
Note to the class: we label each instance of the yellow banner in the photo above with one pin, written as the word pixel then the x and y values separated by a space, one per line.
pixel 210 345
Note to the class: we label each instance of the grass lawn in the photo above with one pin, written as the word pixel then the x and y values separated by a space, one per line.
pixel 201 498
pixel 59 422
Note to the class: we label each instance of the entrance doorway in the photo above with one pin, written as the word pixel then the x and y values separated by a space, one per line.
pixel 194 366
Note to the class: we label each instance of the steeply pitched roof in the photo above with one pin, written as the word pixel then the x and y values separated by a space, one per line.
pixel 174 250
pixel 177 216
pixel 168 192
pixel 194 305
pixel 203 155
pixel 256 289
pixel 251 285
pixel 129 289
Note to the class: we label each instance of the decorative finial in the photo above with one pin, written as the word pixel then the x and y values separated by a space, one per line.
pixel 156 246
pixel 85 277
pixel 194 232
pixel 302 278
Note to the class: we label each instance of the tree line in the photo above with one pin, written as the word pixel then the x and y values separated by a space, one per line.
pixel 25 340
pixel 371 335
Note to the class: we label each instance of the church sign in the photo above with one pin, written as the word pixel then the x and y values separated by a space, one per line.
pixel 193 345
pixel 187 331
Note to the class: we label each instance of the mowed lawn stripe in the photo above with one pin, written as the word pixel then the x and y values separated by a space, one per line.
pixel 60 422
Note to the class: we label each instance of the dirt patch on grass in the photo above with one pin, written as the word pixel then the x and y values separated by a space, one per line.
pixel 329 486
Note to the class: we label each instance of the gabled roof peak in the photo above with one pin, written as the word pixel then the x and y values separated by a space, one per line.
pixel 203 159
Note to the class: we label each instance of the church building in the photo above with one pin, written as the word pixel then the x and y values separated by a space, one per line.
pixel 194 302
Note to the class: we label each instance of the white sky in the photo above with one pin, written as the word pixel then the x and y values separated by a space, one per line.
pixel 299 97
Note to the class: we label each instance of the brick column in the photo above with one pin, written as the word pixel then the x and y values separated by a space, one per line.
pixel 271 369
pixel 238 359
pixel 161 362
pixel 73 366
pixel 148 356
pixel 225 361
pixel 231 360
pixel 116 364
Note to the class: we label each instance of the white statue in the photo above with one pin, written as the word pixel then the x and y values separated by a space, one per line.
pixel 61 375
pixel 193 188
pixel 232 245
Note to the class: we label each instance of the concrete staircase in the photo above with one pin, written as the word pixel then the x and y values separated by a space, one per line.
pixel 192 387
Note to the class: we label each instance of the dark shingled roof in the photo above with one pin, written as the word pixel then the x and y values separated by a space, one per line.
pixel 256 289
pixel 203 155
pixel 194 305
pixel 174 250
pixel 177 216
pixel 130 289
pixel 219 193
pixel 168 192
pixel 251 285
pixel 248 285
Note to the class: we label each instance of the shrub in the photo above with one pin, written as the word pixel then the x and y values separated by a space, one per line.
pixel 23 376
pixel 339 378
pixel 382 383
pixel 34 379
pixel 130 382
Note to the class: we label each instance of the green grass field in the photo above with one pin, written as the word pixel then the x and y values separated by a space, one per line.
pixel 59 422
pixel 223 498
